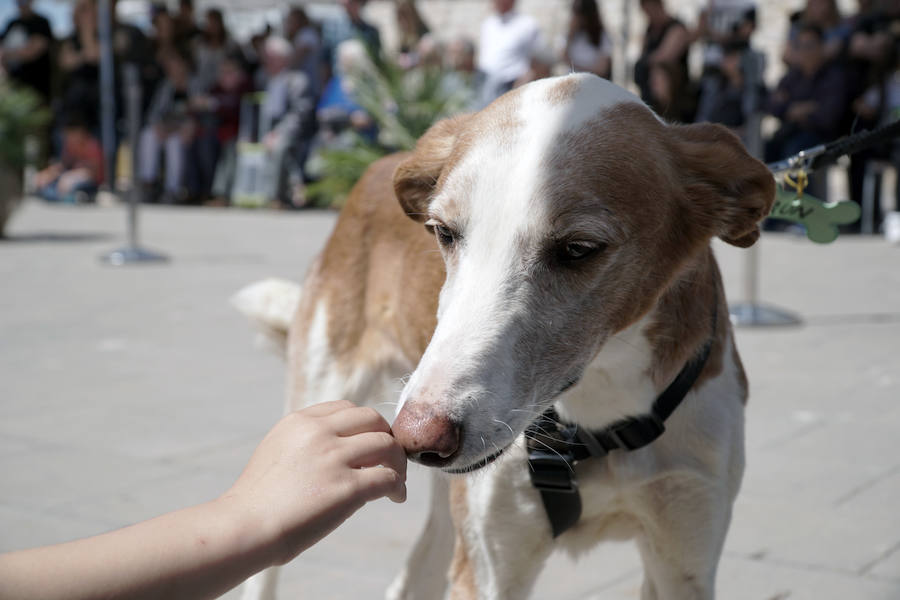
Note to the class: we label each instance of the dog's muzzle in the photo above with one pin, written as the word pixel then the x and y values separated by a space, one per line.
pixel 492 457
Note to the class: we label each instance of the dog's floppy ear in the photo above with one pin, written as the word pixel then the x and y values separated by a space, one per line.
pixel 415 177
pixel 728 185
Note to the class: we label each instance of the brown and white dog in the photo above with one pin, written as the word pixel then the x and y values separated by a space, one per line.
pixel 550 250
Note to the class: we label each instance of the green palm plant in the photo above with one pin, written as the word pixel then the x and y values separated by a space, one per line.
pixel 402 103
pixel 22 118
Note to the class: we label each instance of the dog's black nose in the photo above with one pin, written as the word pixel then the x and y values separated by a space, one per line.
pixel 429 438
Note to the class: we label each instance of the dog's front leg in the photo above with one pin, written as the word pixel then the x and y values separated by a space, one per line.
pixel 502 534
pixel 424 577
pixel 681 544
pixel 261 586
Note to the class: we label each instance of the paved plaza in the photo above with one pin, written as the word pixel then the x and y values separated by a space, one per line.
pixel 132 391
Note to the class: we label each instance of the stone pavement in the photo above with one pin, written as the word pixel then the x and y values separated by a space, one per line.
pixel 132 391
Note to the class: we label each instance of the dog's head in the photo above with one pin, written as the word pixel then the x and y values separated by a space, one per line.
pixel 563 210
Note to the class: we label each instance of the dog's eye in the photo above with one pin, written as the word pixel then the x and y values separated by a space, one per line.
pixel 446 236
pixel 578 250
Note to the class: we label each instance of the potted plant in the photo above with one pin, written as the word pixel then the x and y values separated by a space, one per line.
pixel 402 103
pixel 21 116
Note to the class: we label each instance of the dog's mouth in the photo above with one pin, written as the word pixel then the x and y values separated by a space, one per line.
pixel 492 457
pixel 476 465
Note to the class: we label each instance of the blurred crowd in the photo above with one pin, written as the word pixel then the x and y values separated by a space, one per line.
pixel 286 88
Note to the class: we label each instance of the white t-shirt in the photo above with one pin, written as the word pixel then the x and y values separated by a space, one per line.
pixel 507 41
pixel 584 54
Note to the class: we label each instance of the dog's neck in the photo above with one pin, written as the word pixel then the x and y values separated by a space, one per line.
pixel 636 364
pixel 615 384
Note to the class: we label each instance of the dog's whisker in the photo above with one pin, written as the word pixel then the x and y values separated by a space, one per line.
pixel 555 451
pixel 504 423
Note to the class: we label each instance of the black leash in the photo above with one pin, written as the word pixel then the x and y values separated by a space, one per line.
pixel 825 154
pixel 554 447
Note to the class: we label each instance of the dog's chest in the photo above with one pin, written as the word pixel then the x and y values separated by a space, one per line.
pixel 615 384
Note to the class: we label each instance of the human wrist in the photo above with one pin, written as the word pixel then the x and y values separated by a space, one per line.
pixel 252 533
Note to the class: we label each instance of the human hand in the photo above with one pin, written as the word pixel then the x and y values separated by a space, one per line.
pixel 313 470
pixel 864 109
pixel 270 141
pixel 200 102
pixel 48 175
pixel 359 120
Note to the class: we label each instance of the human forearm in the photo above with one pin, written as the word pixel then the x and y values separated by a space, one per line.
pixel 198 552
pixel 313 470
pixel 673 46
pixel 32 50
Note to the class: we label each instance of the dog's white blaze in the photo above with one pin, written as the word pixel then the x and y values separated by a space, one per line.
pixel 591 97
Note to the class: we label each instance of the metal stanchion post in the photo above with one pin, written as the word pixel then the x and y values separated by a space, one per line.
pixel 750 312
pixel 133 253
pixel 107 92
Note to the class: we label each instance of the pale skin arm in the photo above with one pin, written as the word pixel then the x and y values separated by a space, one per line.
pixel 672 46
pixel 313 470
pixel 34 47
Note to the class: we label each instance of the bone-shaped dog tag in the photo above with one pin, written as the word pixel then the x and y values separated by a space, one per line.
pixel 820 219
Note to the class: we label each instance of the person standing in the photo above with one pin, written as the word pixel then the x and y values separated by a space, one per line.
pixel 666 41
pixel 809 101
pixel 79 65
pixel 288 116
pixel 25 49
pixel 359 27
pixel 412 29
pixel 186 28
pixel 170 129
pixel 588 47
pixel 508 40
pixel 211 48
pixel 303 34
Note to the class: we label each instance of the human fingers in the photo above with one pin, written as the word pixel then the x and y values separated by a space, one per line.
pixel 378 482
pixel 357 419
pixel 323 409
pixel 376 448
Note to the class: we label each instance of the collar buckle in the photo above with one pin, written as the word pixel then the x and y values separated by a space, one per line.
pixel 553 476
pixel 552 471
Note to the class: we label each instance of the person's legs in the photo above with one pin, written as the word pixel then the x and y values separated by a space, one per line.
pixel 49 192
pixel 82 193
pixel 275 172
pixel 148 159
pixel 223 178
pixel 175 159
pixel 204 152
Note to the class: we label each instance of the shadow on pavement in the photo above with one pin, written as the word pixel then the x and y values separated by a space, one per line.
pixel 66 237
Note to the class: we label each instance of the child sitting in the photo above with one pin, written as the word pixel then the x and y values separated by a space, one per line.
pixel 79 172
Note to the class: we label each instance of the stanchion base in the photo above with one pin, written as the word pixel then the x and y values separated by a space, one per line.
pixel 132 255
pixel 756 315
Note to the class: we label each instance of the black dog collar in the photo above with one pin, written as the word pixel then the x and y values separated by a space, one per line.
pixel 555 447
